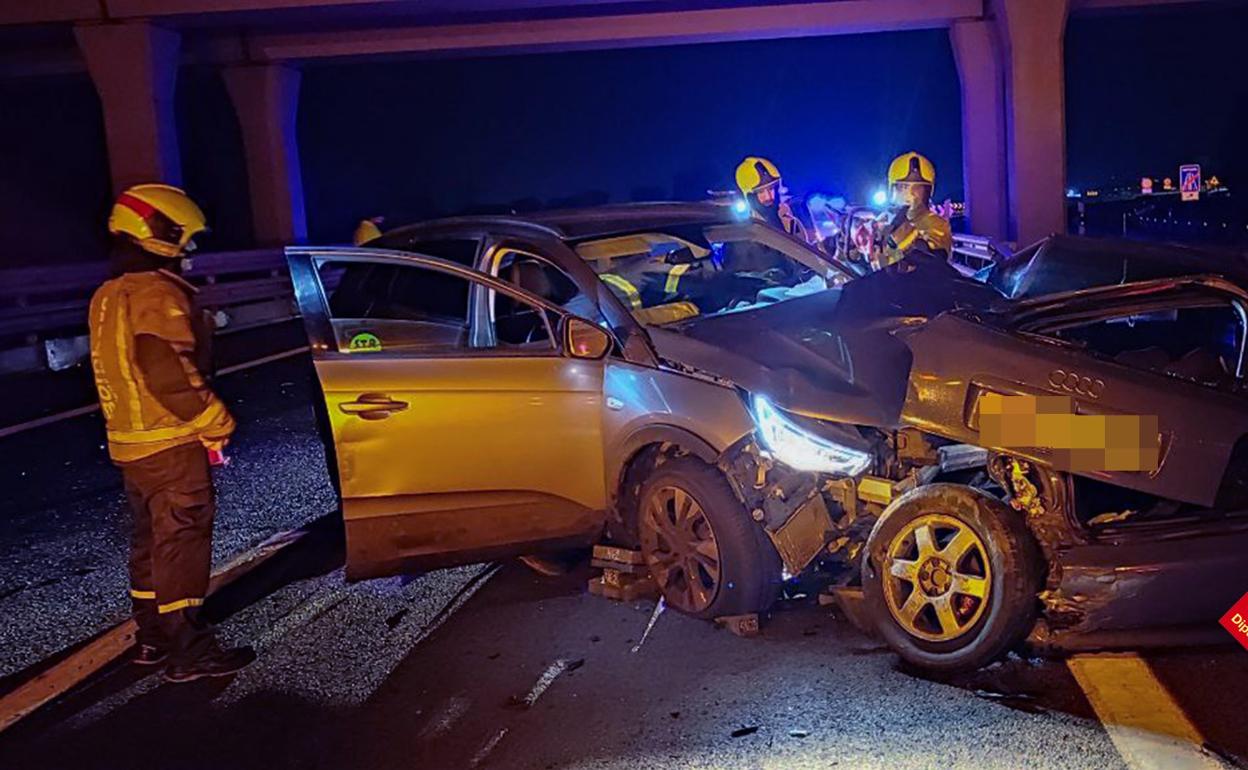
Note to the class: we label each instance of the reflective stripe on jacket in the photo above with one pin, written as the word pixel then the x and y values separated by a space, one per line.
pixel 154 303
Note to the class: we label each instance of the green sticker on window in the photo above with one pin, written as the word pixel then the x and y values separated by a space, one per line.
pixel 364 342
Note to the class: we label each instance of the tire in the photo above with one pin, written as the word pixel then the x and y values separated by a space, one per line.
pixel 749 570
pixel 952 630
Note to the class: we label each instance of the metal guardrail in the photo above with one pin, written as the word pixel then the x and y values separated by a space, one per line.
pixel 972 253
pixel 43 310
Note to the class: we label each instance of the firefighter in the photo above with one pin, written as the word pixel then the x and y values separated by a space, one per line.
pixel 367 230
pixel 759 181
pixel 148 354
pixel 916 229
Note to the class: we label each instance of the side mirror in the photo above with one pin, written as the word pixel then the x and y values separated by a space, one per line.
pixel 583 339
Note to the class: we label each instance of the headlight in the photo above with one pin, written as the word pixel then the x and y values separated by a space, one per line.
pixel 799 449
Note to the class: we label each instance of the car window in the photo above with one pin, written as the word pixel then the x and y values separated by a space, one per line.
pixel 1202 342
pixel 665 277
pixel 462 251
pixel 539 276
pixel 386 306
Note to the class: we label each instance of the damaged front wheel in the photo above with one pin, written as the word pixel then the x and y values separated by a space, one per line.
pixel 707 556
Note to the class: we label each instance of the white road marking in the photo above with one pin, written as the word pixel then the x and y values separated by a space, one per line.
pixel 441 724
pixel 544 681
pixel 1148 728
pixel 485 750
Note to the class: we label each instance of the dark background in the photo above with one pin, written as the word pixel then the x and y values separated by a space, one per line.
pixel 409 140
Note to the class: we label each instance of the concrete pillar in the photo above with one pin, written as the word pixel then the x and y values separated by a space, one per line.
pixel 134 68
pixel 978 58
pixel 1034 36
pixel 266 98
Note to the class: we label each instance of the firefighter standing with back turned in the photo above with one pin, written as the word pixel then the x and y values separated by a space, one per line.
pixel 916 229
pixel 147 351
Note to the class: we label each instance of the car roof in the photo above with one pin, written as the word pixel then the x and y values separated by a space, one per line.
pixel 580 223
pixel 1062 263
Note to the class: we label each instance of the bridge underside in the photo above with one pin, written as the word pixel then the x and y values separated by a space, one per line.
pixel 1009 55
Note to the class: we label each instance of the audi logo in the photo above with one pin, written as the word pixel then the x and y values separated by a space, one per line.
pixel 1073 382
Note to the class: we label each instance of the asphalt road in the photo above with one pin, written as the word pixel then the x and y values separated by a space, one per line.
pixel 491 666
pixel 506 669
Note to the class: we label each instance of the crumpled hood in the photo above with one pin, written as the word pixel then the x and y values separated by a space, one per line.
pixel 831 355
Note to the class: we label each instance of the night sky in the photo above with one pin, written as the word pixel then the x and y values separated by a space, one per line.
pixel 414 139
pixel 624 125
pixel 1148 92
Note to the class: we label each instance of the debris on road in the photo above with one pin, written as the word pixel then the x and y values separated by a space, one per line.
pixel 740 625
pixel 654 618
pixel 741 732
pixel 625 576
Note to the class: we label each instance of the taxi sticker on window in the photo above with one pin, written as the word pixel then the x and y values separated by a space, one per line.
pixel 364 342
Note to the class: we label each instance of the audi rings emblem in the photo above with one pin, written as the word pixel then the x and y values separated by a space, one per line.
pixel 1073 382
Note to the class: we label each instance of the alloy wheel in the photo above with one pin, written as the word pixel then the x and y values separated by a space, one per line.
pixel 680 549
pixel 937 578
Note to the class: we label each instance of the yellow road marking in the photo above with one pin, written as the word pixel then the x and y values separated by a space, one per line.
pixel 1147 727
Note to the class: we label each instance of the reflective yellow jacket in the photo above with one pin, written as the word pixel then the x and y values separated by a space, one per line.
pixel 139 425
pixel 923 231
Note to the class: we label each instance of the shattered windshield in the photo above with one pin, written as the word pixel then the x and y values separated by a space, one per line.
pixel 681 273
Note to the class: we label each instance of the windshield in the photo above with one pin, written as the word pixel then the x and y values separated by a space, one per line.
pixel 672 275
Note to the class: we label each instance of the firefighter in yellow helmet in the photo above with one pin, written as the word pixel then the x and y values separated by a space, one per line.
pixel 148 351
pixel 916 229
pixel 759 181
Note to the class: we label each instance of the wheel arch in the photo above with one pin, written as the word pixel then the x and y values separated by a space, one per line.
pixel 635 457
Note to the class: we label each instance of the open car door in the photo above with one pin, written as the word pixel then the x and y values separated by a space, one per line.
pixel 461 427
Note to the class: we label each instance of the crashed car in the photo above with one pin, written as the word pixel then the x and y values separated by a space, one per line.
pixel 744 409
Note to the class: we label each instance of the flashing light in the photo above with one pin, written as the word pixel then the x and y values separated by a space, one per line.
pixel 741 207
pixel 801 450
pixel 1072 193
pixel 879 198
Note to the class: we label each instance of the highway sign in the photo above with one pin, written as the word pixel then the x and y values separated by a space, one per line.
pixel 1189 182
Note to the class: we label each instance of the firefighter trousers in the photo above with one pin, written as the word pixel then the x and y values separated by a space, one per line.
pixel 172 500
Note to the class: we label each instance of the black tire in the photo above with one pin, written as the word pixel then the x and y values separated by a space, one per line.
pixel 749 566
pixel 1015 578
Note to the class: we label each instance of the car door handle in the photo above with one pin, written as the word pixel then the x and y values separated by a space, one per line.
pixel 372 406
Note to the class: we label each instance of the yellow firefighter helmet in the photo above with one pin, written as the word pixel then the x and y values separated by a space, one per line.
pixel 755 173
pixel 161 219
pixel 913 168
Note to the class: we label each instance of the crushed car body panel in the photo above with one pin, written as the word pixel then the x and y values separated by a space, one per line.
pixel 957 360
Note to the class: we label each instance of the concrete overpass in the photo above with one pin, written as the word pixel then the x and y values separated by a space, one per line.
pixel 1009 55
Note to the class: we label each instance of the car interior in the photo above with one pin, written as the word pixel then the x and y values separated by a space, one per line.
pixel 667 277
pixel 1201 344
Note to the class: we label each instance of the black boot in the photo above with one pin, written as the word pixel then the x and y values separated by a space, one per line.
pixel 149 655
pixel 212 662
